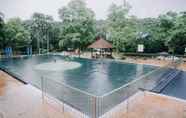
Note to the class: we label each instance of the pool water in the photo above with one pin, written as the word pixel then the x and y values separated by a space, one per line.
pixel 93 77
pixel 177 87
pixel 96 77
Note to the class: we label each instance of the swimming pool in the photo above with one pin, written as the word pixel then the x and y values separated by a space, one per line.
pixel 177 87
pixel 93 76
pixel 96 77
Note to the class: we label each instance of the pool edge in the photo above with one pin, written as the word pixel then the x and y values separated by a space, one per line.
pixel 15 77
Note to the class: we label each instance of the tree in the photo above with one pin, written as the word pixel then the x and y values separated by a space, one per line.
pixel 121 28
pixel 55 33
pixel 159 31
pixel 2 34
pixel 177 43
pixel 151 35
pixel 101 29
pixel 40 27
pixel 78 25
pixel 78 28
pixel 177 38
pixel 16 34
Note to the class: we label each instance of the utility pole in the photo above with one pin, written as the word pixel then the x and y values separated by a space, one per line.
pixel 124 3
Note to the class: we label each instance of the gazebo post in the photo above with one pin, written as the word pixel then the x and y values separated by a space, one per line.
pixel 110 52
pixel 91 52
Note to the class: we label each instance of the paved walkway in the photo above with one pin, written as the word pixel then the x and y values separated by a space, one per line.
pixel 7 83
pixel 183 66
pixel 154 106
pixel 23 101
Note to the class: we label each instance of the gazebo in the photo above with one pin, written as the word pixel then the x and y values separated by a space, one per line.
pixel 102 47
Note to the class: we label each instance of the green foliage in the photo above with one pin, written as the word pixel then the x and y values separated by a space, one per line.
pixel 78 25
pixel 2 33
pixel 40 29
pixel 101 29
pixel 151 35
pixel 45 32
pixel 78 28
pixel 178 42
pixel 163 33
pixel 55 35
pixel 16 34
pixel 121 28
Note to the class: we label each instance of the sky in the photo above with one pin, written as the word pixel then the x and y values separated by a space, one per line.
pixel 140 8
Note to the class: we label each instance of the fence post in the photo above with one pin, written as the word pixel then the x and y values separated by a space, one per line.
pixel 94 110
pixel 42 89
pixel 63 107
pixel 128 102
pixel 100 106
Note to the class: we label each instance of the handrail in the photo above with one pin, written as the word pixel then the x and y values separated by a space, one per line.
pixel 98 104
pixel 135 80
pixel 128 84
pixel 68 86
pixel 106 94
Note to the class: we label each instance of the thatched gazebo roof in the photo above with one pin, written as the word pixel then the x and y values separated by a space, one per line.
pixel 101 44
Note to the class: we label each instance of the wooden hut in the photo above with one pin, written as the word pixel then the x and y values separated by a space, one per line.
pixel 101 48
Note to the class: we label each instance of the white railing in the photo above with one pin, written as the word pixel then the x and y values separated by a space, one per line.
pixel 87 105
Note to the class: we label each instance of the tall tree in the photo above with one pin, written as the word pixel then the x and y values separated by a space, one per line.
pixel 16 34
pixel 55 33
pixel 78 25
pixel 101 29
pixel 121 28
pixel 2 34
pixel 40 27
pixel 177 43
pixel 150 34
pixel 158 30
pixel 177 37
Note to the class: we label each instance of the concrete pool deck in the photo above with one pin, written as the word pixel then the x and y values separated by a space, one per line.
pixel 183 66
pixel 147 61
pixel 156 106
pixel 7 83
pixel 23 101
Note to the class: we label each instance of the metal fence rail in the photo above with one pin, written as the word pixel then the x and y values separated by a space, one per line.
pixel 96 106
